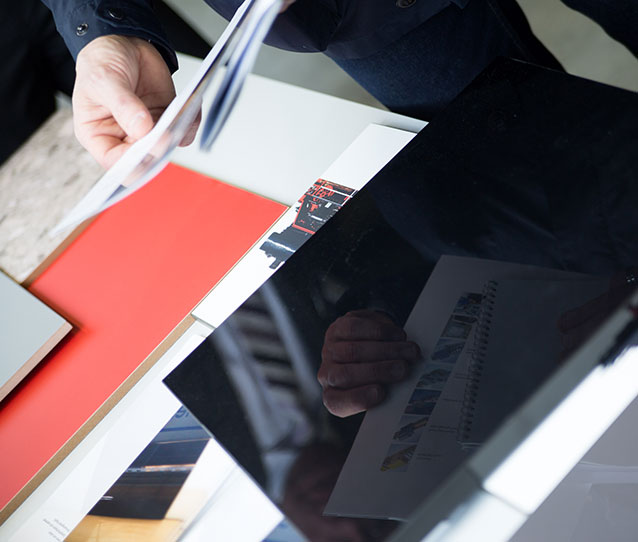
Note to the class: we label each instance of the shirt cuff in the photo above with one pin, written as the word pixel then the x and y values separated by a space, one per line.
pixel 93 19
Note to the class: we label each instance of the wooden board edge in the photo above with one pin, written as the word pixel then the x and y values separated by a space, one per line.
pixel 36 358
pixel 59 249
pixel 95 418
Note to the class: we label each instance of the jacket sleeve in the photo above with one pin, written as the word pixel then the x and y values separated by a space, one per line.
pixel 80 21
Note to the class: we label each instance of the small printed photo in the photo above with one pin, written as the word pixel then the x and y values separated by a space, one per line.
pixel 411 428
pixel 447 350
pixel 458 327
pixel 464 318
pixel 422 402
pixel 434 378
pixel 398 458
pixel 469 304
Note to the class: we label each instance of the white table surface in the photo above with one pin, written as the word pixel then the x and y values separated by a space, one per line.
pixel 280 138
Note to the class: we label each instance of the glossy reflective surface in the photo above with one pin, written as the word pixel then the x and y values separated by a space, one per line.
pixel 526 166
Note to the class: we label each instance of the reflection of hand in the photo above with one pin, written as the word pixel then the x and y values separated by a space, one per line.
pixel 122 87
pixel 578 324
pixel 362 351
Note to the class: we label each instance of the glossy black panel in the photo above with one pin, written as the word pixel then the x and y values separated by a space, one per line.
pixel 527 165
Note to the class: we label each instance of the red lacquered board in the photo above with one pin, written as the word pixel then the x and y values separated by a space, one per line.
pixel 125 283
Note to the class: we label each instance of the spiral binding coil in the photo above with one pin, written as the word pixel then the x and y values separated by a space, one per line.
pixel 477 361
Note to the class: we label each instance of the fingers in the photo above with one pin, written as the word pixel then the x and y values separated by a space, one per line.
pixel 129 112
pixel 363 352
pixel 344 403
pixel 351 375
pixel 122 86
pixel 108 134
pixel 105 149
pixel 364 325
pixel 353 351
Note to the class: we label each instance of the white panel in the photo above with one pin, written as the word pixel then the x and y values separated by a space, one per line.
pixel 280 138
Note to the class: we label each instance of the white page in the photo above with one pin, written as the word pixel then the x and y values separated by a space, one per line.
pixel 394 493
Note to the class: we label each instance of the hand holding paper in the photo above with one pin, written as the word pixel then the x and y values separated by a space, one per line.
pixel 122 87
pixel 111 137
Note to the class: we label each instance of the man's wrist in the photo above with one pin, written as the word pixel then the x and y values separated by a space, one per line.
pixel 90 20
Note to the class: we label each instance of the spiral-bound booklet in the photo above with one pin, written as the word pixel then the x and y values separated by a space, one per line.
pixel 407 446
pixel 517 328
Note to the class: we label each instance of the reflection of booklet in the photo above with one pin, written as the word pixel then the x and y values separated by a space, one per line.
pixel 28 331
pixel 409 444
pixel 515 316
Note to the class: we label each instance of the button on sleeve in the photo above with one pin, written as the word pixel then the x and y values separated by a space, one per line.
pixel 81 21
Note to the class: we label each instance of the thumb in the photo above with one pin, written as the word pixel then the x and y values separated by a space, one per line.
pixel 127 109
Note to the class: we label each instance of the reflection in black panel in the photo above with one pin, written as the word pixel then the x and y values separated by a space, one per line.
pixel 520 168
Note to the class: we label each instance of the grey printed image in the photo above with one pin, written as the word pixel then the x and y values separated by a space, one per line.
pixel 422 402
pixel 398 458
pixel 469 304
pixel 458 327
pixel 411 428
pixel 434 377
pixel 447 350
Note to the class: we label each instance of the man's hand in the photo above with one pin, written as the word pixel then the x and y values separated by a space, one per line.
pixel 362 351
pixel 122 87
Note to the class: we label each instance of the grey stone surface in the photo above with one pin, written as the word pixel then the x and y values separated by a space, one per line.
pixel 39 184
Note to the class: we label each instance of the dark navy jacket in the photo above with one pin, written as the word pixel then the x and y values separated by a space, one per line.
pixel 340 28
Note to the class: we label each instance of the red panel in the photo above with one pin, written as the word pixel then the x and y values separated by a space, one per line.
pixel 125 283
